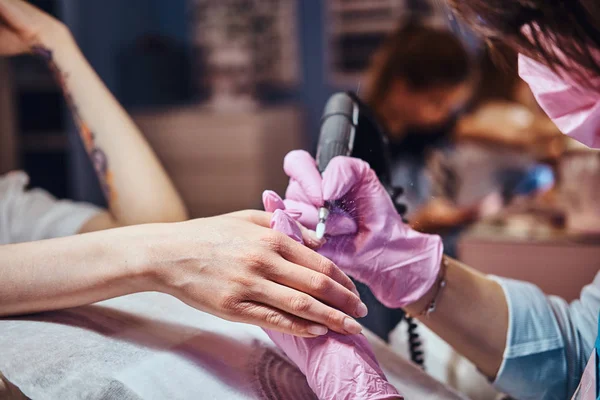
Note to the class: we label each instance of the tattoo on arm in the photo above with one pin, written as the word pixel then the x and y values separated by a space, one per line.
pixel 96 154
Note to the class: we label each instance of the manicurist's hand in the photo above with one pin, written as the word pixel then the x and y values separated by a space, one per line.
pixel 365 235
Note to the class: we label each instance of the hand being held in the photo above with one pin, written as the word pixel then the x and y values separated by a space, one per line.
pixel 234 266
pixel 365 235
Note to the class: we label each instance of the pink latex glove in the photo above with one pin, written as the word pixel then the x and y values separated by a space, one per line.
pixel 336 366
pixel 366 237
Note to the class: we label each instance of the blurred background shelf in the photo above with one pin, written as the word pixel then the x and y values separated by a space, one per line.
pixel 49 142
pixel 223 161
pixel 8 134
pixel 354 30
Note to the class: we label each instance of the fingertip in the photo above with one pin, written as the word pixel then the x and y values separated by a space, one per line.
pixel 317 330
pixel 296 214
pixel 302 168
pixel 282 222
pixel 310 238
pixel 352 327
pixel 309 214
pixel 298 156
pixel 362 310
pixel 272 201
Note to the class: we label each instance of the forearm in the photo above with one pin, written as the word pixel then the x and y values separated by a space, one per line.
pixel 471 315
pixel 73 271
pixel 136 185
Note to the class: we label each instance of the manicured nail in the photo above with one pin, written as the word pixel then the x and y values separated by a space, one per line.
pixel 362 310
pixel 317 330
pixel 352 327
pixel 312 236
pixel 272 201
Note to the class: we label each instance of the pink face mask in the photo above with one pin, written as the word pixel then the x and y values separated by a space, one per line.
pixel 574 108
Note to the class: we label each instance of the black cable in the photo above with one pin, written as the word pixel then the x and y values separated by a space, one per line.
pixel 415 345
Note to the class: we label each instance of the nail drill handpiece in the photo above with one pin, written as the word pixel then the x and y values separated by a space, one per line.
pixel 338 131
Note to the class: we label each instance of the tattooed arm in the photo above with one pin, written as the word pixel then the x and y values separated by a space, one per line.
pixel 233 266
pixel 136 186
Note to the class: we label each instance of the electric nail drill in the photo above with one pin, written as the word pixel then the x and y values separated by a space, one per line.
pixel 349 128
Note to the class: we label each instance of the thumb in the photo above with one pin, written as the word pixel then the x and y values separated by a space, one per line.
pixel 306 179
pixel 272 201
pixel 345 174
pixel 282 222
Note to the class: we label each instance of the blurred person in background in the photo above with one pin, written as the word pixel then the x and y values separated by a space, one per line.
pixel 232 266
pixel 504 131
pixel 429 95
pixel 419 85
pixel 532 346
pixel 422 85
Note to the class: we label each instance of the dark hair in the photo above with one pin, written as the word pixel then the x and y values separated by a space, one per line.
pixel 498 76
pixel 538 28
pixel 423 57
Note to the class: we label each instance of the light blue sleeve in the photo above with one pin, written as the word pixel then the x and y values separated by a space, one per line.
pixel 549 341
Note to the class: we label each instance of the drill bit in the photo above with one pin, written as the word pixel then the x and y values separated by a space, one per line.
pixel 323 215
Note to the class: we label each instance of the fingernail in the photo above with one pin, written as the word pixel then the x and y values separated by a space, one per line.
pixel 362 310
pixel 292 212
pixel 317 330
pixel 312 236
pixel 352 327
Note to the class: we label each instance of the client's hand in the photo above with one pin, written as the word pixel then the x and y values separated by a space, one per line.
pixel 366 236
pixel 234 266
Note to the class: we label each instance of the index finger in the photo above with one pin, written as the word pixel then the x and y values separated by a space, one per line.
pixel 302 168
pixel 263 218
pixel 301 255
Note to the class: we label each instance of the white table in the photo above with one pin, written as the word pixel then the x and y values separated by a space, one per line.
pixel 151 346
